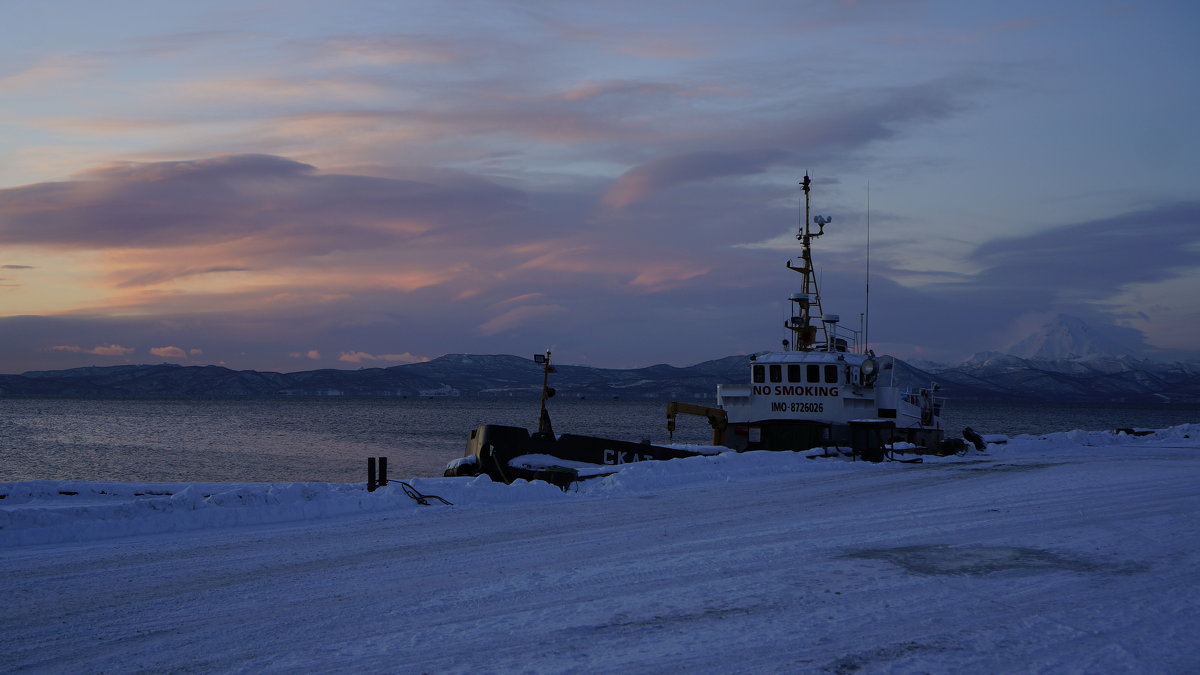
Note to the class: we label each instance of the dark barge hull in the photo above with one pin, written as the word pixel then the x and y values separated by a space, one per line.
pixel 491 448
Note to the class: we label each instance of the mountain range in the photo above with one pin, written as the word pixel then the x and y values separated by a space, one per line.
pixel 1066 361
pixel 449 375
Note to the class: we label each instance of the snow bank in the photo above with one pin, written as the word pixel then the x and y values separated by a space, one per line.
pixel 1184 434
pixel 1071 552
pixel 40 512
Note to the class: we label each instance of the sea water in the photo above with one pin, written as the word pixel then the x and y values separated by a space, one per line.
pixel 329 439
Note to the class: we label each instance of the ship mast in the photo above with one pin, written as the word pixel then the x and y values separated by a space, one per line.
pixel 806 305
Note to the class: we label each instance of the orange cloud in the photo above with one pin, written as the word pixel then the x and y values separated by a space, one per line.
pixel 169 352
pixel 102 350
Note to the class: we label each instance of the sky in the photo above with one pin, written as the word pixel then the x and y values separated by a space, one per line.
pixel 297 185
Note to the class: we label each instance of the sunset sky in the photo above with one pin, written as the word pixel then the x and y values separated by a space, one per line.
pixel 292 185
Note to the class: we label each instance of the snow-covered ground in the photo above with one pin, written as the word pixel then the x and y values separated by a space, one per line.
pixel 1074 552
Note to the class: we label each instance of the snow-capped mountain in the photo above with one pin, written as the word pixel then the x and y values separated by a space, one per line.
pixel 1068 337
pixel 1068 360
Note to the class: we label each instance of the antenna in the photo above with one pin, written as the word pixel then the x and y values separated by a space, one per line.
pixel 867 300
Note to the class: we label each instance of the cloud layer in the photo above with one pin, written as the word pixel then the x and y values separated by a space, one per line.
pixel 342 188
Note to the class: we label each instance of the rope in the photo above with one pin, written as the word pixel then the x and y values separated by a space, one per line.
pixel 416 495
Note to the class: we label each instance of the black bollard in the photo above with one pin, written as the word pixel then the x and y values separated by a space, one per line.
pixel 383 471
pixel 371 484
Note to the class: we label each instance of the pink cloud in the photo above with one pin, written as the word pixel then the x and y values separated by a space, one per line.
pixel 519 299
pixel 645 179
pixel 653 46
pixel 46 73
pixel 587 91
pixel 388 50
pixel 245 90
pixel 560 256
pixel 359 357
pixel 516 316
pixel 661 278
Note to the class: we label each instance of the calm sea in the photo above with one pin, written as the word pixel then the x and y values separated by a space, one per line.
pixel 329 439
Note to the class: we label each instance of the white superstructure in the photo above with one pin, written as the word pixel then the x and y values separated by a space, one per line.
pixel 822 383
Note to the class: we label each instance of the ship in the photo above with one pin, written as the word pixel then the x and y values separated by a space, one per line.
pixel 825 388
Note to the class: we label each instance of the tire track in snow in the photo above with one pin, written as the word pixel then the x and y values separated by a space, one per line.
pixel 745 577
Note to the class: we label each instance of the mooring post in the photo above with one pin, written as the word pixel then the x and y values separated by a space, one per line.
pixel 383 470
pixel 371 484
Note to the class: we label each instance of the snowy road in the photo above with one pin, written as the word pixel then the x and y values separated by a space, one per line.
pixel 1050 559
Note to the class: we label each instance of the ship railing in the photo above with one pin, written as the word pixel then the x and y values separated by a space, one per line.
pixel 929 405
pixel 843 339
pixel 914 397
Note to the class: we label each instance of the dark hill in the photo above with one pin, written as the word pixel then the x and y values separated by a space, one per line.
pixel 991 377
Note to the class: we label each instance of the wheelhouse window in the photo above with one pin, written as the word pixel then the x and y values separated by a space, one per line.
pixel 794 374
pixel 831 374
pixel 776 372
pixel 759 374
pixel 814 373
